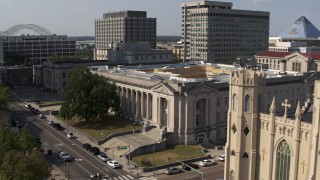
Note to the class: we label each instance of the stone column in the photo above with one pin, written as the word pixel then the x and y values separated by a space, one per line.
pixel 127 100
pixel 132 101
pixel 137 104
pixel 148 107
pixel 123 99
pixel 142 105
pixel 207 111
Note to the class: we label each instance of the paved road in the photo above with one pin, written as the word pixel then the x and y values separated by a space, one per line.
pixel 209 173
pixel 83 165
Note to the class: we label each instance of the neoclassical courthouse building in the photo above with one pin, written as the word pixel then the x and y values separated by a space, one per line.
pixel 192 100
pixel 265 144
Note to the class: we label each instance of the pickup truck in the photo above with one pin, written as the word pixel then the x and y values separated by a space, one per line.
pixel 64 155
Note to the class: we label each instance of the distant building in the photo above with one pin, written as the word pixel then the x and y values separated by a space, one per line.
pixel 137 53
pixel 56 74
pixel 214 32
pixel 1 52
pixel 276 44
pixel 289 61
pixel 16 76
pixel 177 52
pixel 39 48
pixel 123 26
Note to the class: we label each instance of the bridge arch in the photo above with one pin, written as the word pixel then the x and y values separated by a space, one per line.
pixel 14 30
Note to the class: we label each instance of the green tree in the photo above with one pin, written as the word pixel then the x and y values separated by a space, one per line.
pixel 89 96
pixel 17 165
pixel 4 95
pixel 18 157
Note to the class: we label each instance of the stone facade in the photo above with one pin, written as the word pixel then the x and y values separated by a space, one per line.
pixel 276 141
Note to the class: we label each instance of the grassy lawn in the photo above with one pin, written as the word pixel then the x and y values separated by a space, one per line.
pixel 102 128
pixel 50 102
pixel 179 152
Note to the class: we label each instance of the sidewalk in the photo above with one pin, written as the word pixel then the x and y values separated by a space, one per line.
pixel 132 169
pixel 56 174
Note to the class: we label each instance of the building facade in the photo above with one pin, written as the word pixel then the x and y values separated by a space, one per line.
pixel 123 26
pixel 264 143
pixel 55 75
pixel 192 101
pixel 212 31
pixel 137 53
pixel 289 61
pixel 1 53
pixel 39 48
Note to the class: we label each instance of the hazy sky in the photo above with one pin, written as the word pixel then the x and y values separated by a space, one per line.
pixel 76 17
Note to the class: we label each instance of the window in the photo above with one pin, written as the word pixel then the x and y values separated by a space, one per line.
pixel 247 103
pixel 218 134
pixel 245 155
pixel 63 75
pixel 283 161
pixel 197 120
pixel 246 130
pixel 218 117
pixel 226 100
pixel 218 102
pixel 232 153
pixel 233 128
pixel 235 103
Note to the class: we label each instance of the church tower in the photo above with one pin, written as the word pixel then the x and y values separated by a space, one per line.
pixel 245 103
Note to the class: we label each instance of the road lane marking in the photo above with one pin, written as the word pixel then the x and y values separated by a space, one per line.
pixel 70 147
pixel 83 168
pixel 130 177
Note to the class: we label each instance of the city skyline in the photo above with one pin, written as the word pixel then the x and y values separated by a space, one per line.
pixel 76 18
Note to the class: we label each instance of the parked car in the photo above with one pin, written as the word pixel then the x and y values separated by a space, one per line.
pixel 207 162
pixel 28 106
pixel 35 111
pixel 64 155
pixel 70 135
pixel 86 146
pixel 103 157
pixel 57 126
pixel 113 164
pixel 50 122
pixel 94 150
pixel 42 116
pixel 222 158
pixel 187 166
pixel 172 170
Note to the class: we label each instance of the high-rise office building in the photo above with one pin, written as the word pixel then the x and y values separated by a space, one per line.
pixel 212 31
pixel 123 26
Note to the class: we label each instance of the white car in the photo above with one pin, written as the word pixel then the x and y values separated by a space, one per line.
pixel 221 158
pixel 172 170
pixel 50 122
pixel 64 155
pixel 103 157
pixel 113 164
pixel 70 135
pixel 207 162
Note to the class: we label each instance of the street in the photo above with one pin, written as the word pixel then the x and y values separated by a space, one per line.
pixel 83 164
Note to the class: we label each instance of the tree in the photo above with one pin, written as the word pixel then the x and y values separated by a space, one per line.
pixel 89 96
pixel 18 157
pixel 4 95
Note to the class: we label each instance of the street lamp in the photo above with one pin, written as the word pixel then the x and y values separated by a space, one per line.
pixel 157 142
pixel 134 126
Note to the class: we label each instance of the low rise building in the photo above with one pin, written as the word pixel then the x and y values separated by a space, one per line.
pixel 289 61
pixel 137 53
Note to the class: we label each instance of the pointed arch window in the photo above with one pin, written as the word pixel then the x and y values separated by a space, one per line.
pixel 232 175
pixel 283 161
pixel 247 103
pixel 235 102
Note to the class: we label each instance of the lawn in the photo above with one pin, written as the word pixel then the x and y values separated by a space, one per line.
pixel 100 129
pixel 179 152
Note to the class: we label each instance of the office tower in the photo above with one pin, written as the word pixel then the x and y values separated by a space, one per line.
pixel 123 26
pixel 212 31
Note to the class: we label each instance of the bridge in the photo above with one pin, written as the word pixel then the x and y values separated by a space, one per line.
pixel 14 30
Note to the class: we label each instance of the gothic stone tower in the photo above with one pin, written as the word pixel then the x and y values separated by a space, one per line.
pixel 246 89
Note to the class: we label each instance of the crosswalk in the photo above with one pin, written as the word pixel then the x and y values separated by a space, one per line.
pixel 128 177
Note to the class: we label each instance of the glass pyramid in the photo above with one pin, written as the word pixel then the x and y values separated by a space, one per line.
pixel 301 28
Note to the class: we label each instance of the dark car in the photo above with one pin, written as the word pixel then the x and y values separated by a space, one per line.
pixel 57 126
pixel 187 167
pixel 35 111
pixel 86 146
pixel 94 150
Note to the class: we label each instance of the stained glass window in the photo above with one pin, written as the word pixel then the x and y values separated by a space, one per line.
pixel 283 161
